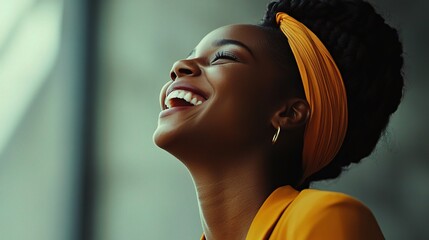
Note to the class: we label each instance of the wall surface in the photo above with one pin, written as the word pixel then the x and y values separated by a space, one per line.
pixel 39 92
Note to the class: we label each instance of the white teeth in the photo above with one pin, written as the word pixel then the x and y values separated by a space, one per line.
pixel 188 96
pixel 181 94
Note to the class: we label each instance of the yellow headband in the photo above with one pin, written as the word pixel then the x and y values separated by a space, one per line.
pixel 325 93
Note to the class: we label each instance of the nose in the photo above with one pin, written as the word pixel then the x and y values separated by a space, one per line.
pixel 184 67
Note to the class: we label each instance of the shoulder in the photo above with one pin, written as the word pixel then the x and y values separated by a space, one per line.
pixel 333 215
pixel 317 201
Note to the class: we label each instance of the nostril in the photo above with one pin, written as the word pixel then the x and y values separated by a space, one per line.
pixel 180 72
pixel 185 71
pixel 173 76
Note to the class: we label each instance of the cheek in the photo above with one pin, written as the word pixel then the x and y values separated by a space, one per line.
pixel 235 80
pixel 241 103
pixel 246 90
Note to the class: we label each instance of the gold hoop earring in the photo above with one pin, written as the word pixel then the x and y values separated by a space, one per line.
pixel 276 135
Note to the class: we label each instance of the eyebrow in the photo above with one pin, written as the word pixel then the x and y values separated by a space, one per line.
pixel 223 42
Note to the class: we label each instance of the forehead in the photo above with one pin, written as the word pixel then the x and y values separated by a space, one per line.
pixel 251 35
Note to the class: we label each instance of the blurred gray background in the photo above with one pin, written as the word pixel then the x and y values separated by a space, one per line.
pixel 142 192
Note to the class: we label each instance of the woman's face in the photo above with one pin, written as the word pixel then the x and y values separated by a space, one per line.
pixel 221 98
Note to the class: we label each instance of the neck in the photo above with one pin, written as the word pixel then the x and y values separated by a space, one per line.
pixel 230 196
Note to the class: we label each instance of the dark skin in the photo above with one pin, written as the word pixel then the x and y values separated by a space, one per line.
pixel 225 142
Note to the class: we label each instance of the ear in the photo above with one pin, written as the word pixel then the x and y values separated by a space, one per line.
pixel 292 114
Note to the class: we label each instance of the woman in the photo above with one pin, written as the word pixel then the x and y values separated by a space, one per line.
pixel 258 112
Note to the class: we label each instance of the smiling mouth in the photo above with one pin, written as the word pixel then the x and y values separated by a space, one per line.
pixel 182 98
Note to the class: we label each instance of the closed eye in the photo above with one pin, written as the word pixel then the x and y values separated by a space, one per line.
pixel 224 55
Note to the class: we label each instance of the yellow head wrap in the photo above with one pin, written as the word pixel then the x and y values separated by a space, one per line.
pixel 325 93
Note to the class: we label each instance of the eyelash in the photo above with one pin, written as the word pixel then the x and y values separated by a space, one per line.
pixel 225 55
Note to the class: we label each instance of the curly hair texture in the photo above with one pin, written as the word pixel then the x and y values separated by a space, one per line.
pixel 369 56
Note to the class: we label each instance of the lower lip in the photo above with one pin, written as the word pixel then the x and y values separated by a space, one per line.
pixel 170 111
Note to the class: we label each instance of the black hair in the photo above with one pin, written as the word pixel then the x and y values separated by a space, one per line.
pixel 369 55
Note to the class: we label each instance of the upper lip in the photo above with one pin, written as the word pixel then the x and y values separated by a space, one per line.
pixel 183 86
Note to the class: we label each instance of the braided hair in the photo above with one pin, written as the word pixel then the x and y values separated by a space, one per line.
pixel 369 55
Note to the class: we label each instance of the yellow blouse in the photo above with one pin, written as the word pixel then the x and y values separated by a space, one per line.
pixel 312 214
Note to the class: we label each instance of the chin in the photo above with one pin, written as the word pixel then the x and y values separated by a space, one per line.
pixel 169 143
pixel 168 137
pixel 180 143
pixel 163 138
